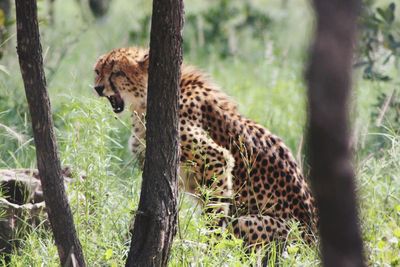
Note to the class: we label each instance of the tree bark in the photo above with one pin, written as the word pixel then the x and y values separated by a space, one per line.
pixel 332 175
pixel 156 218
pixel 31 63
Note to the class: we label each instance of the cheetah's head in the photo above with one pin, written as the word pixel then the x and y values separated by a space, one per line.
pixel 121 77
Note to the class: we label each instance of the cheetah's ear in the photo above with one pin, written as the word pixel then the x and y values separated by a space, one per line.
pixel 144 62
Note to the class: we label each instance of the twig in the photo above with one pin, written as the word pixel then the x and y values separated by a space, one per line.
pixel 384 108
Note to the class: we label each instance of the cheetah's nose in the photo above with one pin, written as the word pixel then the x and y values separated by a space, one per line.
pixel 99 89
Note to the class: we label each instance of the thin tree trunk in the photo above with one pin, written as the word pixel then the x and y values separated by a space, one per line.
pixel 51 11
pixel 31 64
pixel 332 175
pixel 156 219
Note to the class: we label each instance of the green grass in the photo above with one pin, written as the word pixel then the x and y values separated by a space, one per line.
pixel 265 78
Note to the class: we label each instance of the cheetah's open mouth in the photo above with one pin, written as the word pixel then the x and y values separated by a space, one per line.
pixel 116 102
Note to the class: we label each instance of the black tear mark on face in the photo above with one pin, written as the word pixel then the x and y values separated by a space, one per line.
pixel 116 102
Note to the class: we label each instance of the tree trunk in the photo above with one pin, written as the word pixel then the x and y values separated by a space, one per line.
pixel 332 175
pixel 31 64
pixel 51 4
pixel 156 218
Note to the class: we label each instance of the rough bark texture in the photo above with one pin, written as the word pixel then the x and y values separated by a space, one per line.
pixel 156 218
pixel 329 80
pixel 31 64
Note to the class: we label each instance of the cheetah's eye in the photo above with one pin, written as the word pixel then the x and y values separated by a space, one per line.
pixel 97 72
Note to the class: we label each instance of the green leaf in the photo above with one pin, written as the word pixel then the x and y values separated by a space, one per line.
pixel 397 208
pixel 390 15
pixel 381 244
pixel 387 14
pixel 381 12
pixel 392 7
pixel 108 254
pixel 396 232
pixel 2 18
pixel 292 249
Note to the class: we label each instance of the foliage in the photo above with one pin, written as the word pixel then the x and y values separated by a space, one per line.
pixel 388 108
pixel 380 209
pixel 5 21
pixel 99 8
pixel 379 41
pixel 386 119
pixel 217 27
pixel 223 23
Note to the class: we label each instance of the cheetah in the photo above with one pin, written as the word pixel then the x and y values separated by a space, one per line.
pixel 256 186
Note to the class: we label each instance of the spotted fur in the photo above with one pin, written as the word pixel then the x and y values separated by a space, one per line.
pixel 256 185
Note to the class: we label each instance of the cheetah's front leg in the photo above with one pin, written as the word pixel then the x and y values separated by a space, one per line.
pixel 210 165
